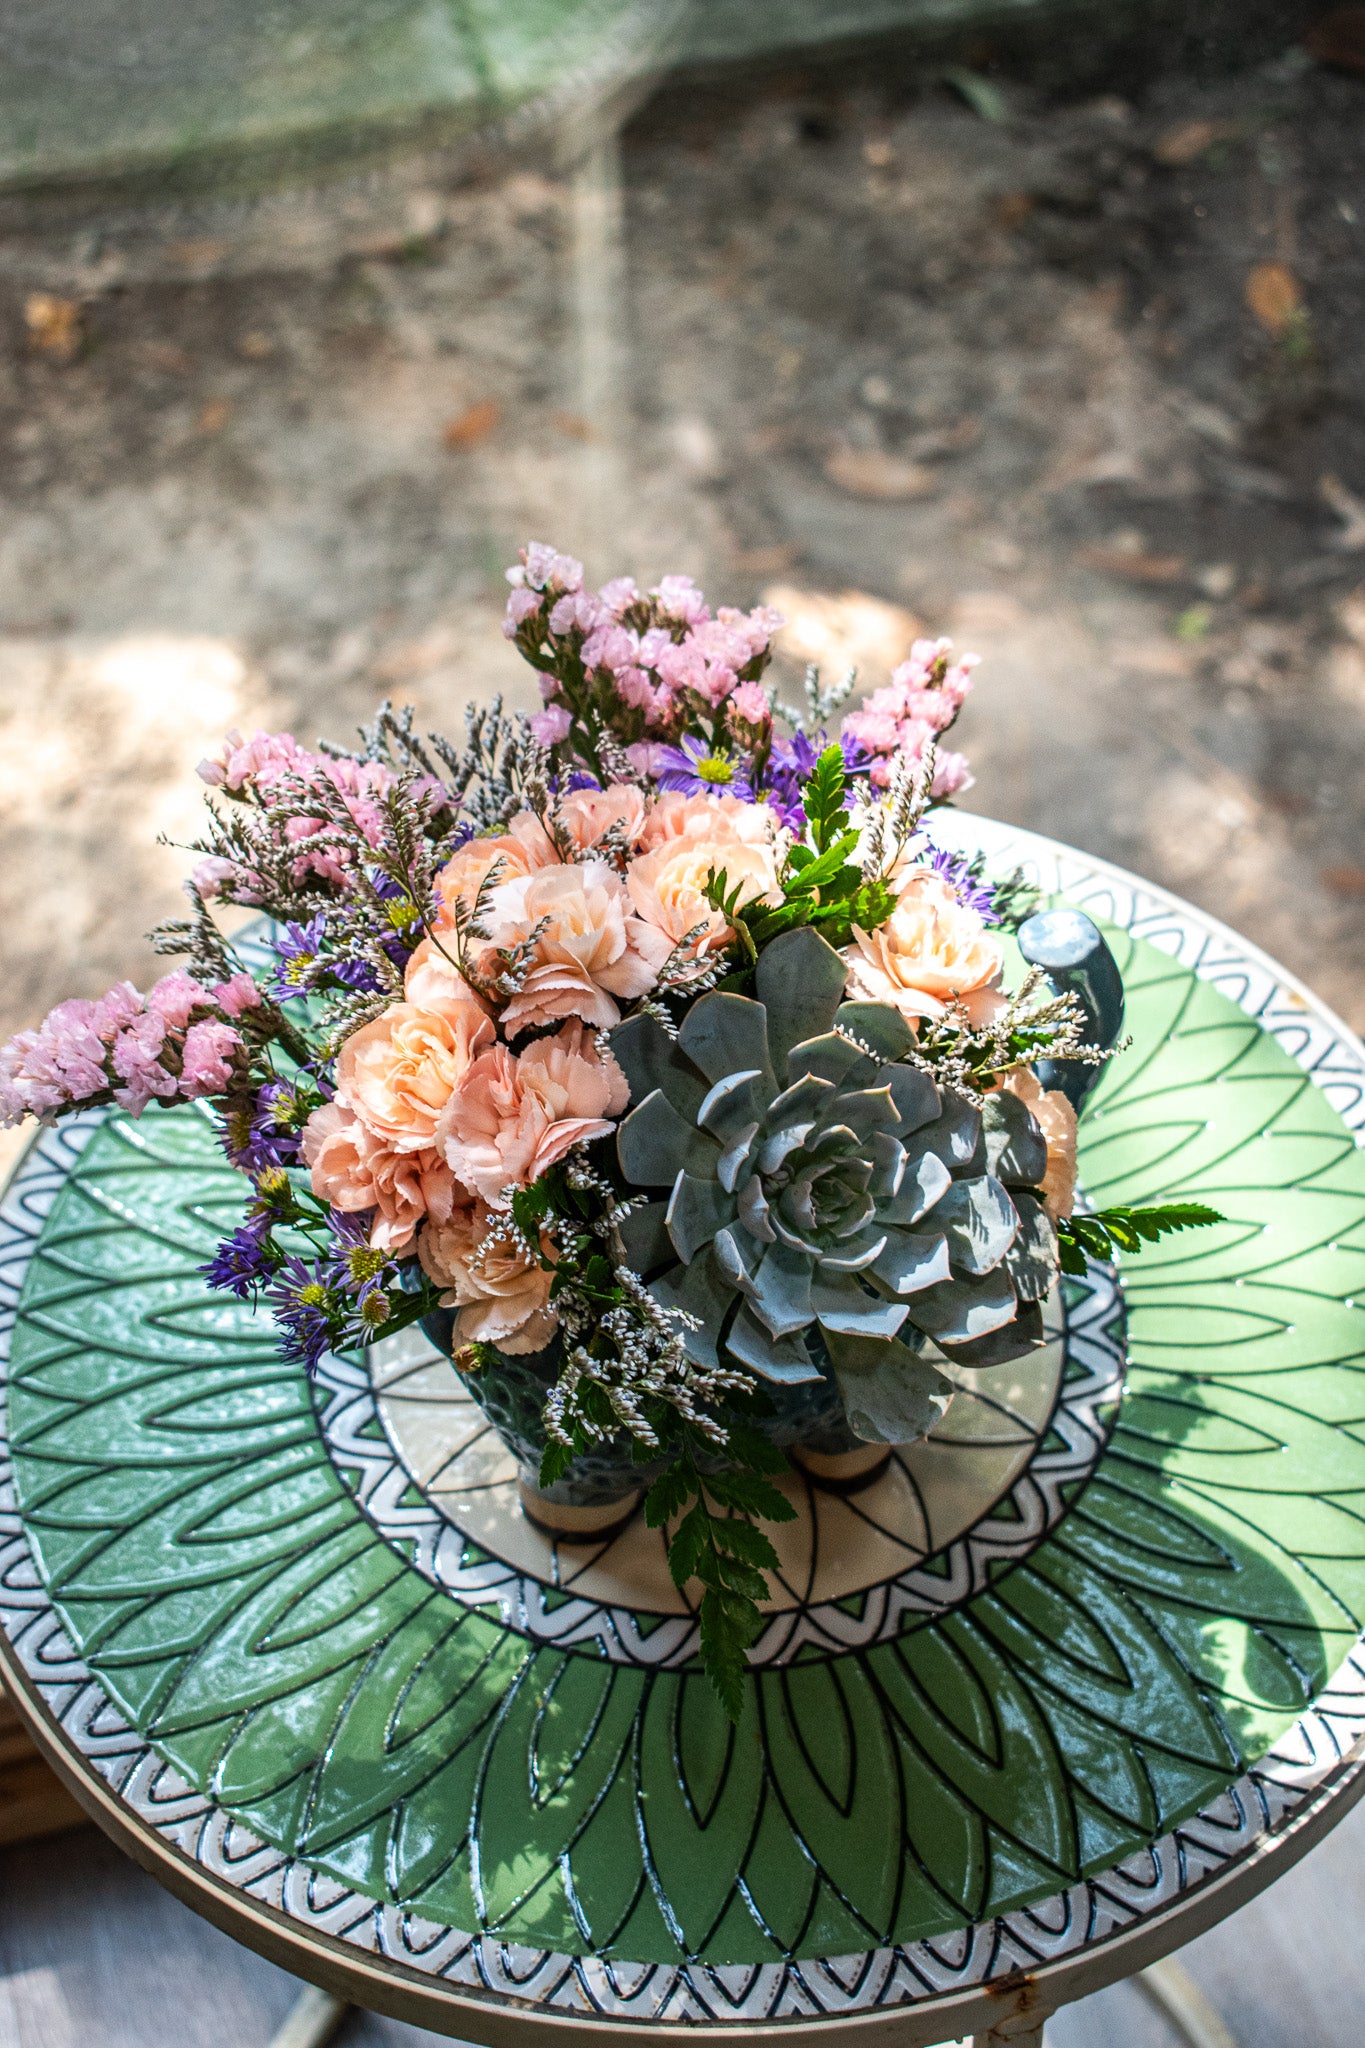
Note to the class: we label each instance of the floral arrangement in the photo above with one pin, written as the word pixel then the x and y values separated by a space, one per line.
pixel 655 1042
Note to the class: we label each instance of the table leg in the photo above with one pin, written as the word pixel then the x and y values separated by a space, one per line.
pixel 1174 1993
pixel 1013 2030
pixel 312 2019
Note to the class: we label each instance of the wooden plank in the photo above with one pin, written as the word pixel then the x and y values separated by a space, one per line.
pixel 32 1801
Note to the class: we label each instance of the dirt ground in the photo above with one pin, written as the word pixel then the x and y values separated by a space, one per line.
pixel 1081 384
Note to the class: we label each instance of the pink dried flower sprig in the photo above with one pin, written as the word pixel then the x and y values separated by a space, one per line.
pixel 912 711
pixel 272 772
pixel 645 668
pixel 177 1043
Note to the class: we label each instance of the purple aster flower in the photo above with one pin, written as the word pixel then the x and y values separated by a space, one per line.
pixel 353 1263
pixel 304 1303
pixel 368 1315
pixel 269 1135
pixel 243 1261
pixel 297 952
pixel 791 765
pixel 956 870
pixel 700 770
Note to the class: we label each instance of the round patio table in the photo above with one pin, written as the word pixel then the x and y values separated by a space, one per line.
pixel 1061 1688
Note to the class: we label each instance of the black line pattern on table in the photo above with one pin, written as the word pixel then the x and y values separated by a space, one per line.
pixel 1034 1503
pixel 1304 1764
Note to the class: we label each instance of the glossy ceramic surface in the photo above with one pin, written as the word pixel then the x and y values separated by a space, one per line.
pixel 260 1613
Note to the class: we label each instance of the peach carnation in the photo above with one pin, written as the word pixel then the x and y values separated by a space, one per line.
pixel 932 952
pixel 513 1116
pixel 668 886
pixel 708 817
pixel 399 1073
pixel 1055 1117
pixel 432 977
pixel 524 847
pixel 354 1170
pixel 590 947
pixel 501 1293
pixel 587 815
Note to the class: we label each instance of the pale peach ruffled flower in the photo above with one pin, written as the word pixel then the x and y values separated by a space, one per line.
pixel 501 1293
pixel 668 886
pixel 523 848
pixel 590 950
pixel 723 817
pixel 353 1170
pixel 433 977
pixel 513 1116
pixel 1055 1117
pixel 932 952
pixel 587 814
pixel 399 1073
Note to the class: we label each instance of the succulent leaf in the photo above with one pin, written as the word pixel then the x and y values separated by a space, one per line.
pixel 650 1059
pixel 962 1310
pixel 654 1142
pixel 799 980
pixel 697 1209
pixel 1031 1260
pixel 646 1239
pixel 909 1264
pixel 981 1223
pixel 1016 1149
pixel 830 1208
pixel 879 1026
pixel 723 1033
pixel 1011 1341
pixel 896 1400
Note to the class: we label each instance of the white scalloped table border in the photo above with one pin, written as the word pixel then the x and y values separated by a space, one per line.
pixel 1313 1762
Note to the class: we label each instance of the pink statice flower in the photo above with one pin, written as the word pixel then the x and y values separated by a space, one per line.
pixel 551 725
pixel 175 996
pixel 236 995
pixel 125 1047
pixel 206 1062
pixel 680 599
pixel 544 568
pixel 919 703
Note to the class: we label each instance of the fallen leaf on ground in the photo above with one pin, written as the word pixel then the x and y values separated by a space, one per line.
pixel 256 347
pixel 1272 294
pixel 768 561
pixel 871 473
pixel 1137 567
pixel 1011 208
pixel 1339 38
pixel 473 425
pixel 572 425
pixel 1188 140
pixel 1345 880
pixel 167 356
pixel 214 416
pixel 54 325
pixel 200 255
pixel 879 154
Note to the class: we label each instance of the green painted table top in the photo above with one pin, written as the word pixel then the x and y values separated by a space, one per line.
pixel 1083 1652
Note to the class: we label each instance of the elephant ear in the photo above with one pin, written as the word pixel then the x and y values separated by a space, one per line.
pixel 799 980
